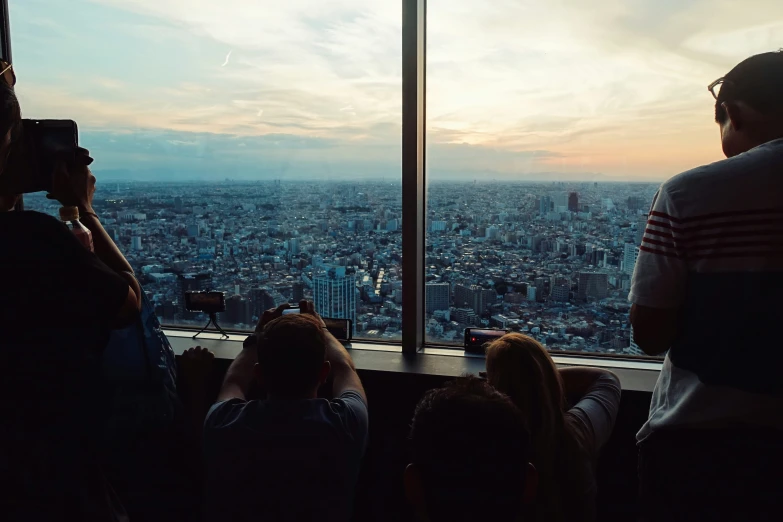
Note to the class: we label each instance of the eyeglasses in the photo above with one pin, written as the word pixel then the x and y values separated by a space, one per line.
pixel 716 86
pixel 7 73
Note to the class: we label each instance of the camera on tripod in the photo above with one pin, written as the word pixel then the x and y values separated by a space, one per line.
pixel 209 302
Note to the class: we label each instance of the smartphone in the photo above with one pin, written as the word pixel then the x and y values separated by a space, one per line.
pixel 35 153
pixel 476 338
pixel 291 310
pixel 342 329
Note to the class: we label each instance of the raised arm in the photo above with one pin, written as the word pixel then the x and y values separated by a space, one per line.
pixel 344 376
pixel 240 374
pixel 74 185
pixel 579 380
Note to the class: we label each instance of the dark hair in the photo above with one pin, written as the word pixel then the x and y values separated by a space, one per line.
pixel 470 445
pixel 757 81
pixel 291 352
pixel 10 112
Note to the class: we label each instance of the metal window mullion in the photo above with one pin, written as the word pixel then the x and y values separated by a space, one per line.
pixel 413 185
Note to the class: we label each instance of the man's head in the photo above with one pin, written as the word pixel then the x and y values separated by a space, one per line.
pixel 470 455
pixel 749 103
pixel 292 356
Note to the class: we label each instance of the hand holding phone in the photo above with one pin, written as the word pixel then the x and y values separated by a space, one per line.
pixel 73 184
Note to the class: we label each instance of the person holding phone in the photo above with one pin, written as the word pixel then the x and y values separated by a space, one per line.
pixel 58 305
pixel 290 456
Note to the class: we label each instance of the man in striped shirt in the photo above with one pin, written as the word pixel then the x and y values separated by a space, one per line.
pixel 708 287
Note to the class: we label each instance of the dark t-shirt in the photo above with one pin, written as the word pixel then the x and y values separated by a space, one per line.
pixel 57 302
pixel 284 460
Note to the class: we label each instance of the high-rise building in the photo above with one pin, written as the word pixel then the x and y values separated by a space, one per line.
pixel 474 297
pixel 544 205
pixel 437 296
pixel 334 294
pixel 136 243
pixel 573 202
pixel 193 283
pixel 297 291
pixel 293 246
pixel 531 293
pixel 593 285
pixel 492 232
pixel 238 310
pixel 560 202
pixel 561 290
pixel 260 301
pixel 634 349
pixel 630 254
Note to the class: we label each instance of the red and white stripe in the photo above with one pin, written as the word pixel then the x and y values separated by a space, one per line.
pixel 745 233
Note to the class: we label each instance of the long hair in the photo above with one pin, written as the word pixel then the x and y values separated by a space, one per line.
pixel 522 369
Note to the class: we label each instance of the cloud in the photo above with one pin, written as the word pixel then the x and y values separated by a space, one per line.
pixel 616 86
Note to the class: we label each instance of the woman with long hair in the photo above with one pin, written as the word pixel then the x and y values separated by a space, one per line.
pixel 565 440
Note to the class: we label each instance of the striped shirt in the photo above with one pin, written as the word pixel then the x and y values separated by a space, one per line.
pixel 713 249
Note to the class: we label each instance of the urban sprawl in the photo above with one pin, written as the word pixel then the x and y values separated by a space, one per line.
pixel 551 260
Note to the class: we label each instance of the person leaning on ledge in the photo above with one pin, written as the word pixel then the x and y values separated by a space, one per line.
pixel 290 456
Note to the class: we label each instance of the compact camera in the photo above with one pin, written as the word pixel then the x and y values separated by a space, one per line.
pixel 208 302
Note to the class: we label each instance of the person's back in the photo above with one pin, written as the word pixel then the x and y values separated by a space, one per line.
pixel 707 288
pixel 470 454
pixel 292 456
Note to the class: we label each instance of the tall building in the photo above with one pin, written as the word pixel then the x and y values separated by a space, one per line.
pixel 474 297
pixel 544 205
pixel 437 296
pixel 593 285
pixel 334 294
pixel 260 301
pixel 573 202
pixel 297 291
pixel 560 202
pixel 193 283
pixel 630 254
pixel 634 349
pixel 238 310
pixel 293 246
pixel 136 243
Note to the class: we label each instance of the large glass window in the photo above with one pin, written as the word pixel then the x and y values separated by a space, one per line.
pixel 251 147
pixel 550 126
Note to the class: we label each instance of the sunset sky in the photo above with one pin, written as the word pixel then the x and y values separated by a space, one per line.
pixel 204 89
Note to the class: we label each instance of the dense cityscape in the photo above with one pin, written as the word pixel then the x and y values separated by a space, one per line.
pixel 551 260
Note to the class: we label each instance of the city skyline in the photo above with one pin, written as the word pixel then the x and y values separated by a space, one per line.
pixel 163 89
pixel 550 260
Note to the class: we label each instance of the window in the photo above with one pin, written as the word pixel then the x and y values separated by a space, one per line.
pixel 257 148
pixel 252 148
pixel 550 126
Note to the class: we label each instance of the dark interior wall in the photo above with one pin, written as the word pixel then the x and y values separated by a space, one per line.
pixel 392 398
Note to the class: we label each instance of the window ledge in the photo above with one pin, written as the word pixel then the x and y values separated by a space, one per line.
pixel 634 375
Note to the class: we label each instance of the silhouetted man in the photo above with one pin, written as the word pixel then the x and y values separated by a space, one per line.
pixel 292 456
pixel 707 288
pixel 470 456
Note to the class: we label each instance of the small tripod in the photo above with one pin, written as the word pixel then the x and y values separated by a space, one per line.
pixel 212 320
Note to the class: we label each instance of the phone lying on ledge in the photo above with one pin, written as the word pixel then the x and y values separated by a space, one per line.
pixel 476 338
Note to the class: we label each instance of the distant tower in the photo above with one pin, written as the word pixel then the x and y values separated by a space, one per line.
pixel 545 205
pixel 573 202
pixel 334 294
